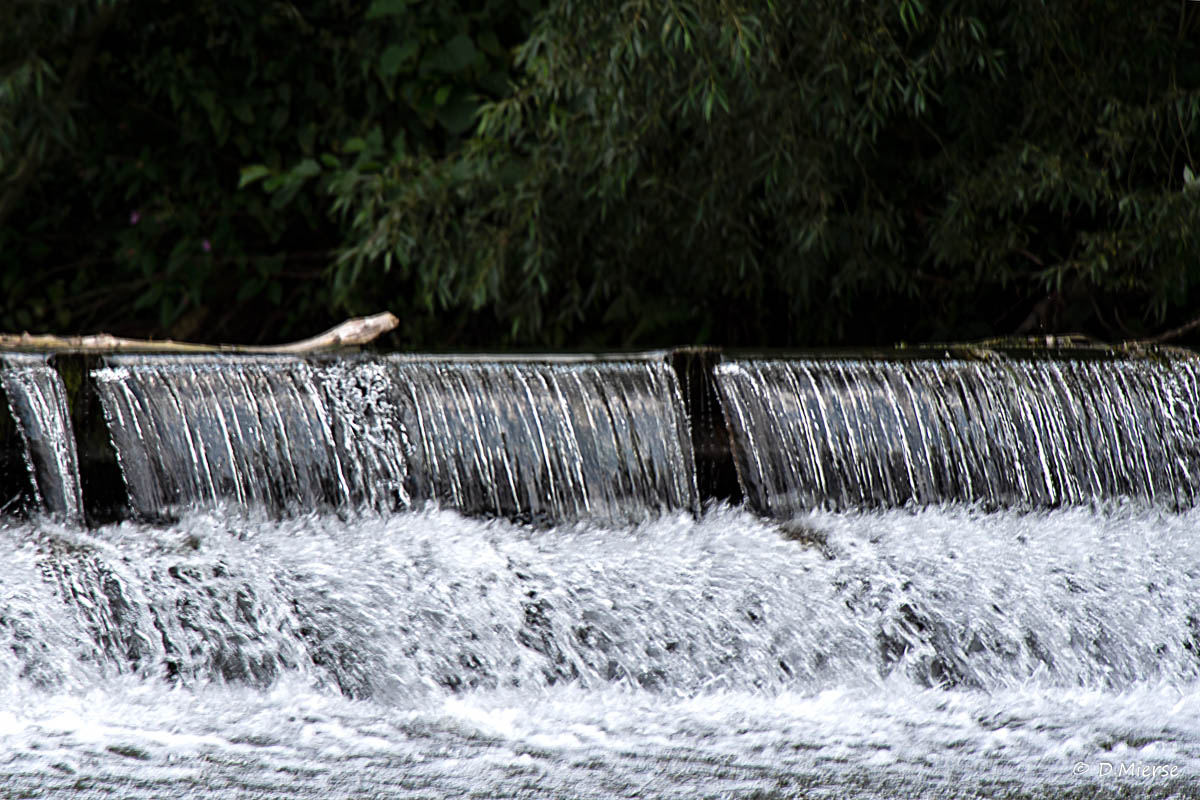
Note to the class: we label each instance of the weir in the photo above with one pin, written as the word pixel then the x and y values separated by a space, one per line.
pixel 541 439
pixel 1016 433
pixel 552 438
pixel 619 609
pixel 547 440
pixel 37 401
pixel 275 433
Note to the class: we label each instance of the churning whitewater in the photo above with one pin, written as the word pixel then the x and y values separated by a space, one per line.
pixel 943 652
pixel 412 576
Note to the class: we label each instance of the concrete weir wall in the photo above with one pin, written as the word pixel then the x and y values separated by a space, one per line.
pixel 104 495
pixel 16 488
pixel 897 413
pixel 23 475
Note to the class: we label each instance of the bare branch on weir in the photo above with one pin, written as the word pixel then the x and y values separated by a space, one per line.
pixel 351 333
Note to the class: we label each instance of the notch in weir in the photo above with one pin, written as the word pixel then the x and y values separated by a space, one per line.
pixel 104 496
pixel 716 474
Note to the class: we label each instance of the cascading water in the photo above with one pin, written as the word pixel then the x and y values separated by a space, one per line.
pixel 275 433
pixel 38 402
pixel 999 636
pixel 1001 433
pixel 430 602
pixel 534 440
pixel 549 441
pixel 944 654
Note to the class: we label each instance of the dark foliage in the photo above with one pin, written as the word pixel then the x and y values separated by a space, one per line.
pixel 590 174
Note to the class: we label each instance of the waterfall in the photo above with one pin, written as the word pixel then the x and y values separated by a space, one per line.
pixel 552 439
pixel 949 577
pixel 548 440
pixel 536 440
pixel 38 402
pixel 393 608
pixel 1016 433
pixel 278 433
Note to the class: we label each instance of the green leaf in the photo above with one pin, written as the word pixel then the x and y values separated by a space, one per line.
pixel 248 289
pixel 151 296
pixel 243 111
pixel 490 44
pixel 375 140
pixel 307 137
pixel 386 8
pixel 497 82
pixel 393 59
pixel 306 168
pixel 459 115
pixel 252 173
pixel 456 54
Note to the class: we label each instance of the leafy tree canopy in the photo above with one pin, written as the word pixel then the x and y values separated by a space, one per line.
pixel 126 126
pixel 590 174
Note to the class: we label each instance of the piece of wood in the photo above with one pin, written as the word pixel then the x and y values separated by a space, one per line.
pixel 351 333
pixel 1167 336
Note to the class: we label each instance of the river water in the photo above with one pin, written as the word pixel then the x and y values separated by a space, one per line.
pixel 893 653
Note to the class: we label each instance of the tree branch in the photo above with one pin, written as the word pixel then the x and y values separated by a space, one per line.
pixel 1167 336
pixel 351 333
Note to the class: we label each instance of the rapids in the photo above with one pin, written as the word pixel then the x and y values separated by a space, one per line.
pixel 942 652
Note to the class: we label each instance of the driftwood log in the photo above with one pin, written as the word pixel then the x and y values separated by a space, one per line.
pixel 351 333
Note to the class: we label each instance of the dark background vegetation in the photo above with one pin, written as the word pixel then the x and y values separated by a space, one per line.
pixel 573 173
